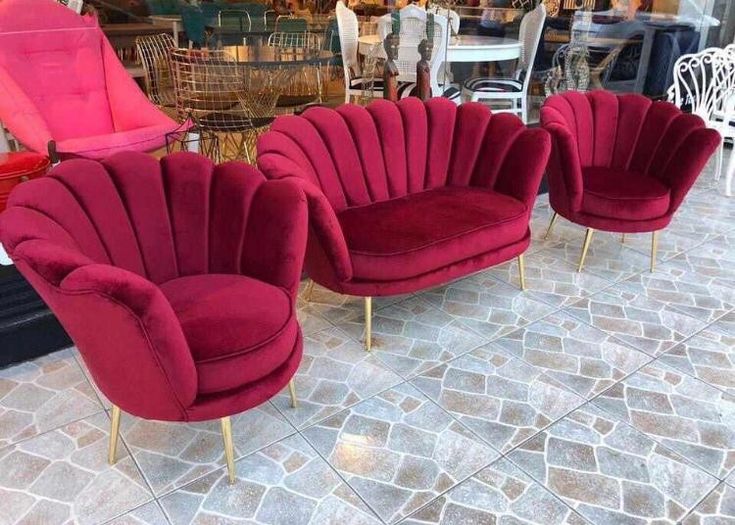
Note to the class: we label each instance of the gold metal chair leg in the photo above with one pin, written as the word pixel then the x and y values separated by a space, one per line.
pixel 585 246
pixel 114 432
pixel 522 272
pixel 551 225
pixel 622 238
pixel 308 290
pixel 292 391
pixel 368 323
pixel 654 249
pixel 229 448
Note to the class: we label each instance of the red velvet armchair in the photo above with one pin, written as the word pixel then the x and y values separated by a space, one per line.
pixel 176 280
pixel 622 163
pixel 407 195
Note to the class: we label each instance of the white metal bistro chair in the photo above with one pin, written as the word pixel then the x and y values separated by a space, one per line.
pixel 515 89
pixel 704 84
pixel 355 83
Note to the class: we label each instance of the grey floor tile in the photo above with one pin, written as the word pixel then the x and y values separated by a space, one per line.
pixel 490 307
pixel 63 476
pixel 709 356
pixel 148 514
pixel 611 473
pixel 626 313
pixel 336 372
pixel 173 454
pixel 399 450
pixel 412 336
pixel 503 399
pixel 500 493
pixel 718 508
pixel 579 356
pixel 286 483
pixel 683 413
pixel 43 394
pixel 552 280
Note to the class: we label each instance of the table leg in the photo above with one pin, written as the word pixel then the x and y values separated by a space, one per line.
pixel 319 81
pixel 640 80
pixel 4 144
pixel 175 29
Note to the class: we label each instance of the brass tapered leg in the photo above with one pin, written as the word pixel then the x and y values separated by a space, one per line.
pixel 522 272
pixel 585 246
pixel 368 323
pixel 308 290
pixel 114 431
pixel 654 249
pixel 292 391
pixel 551 225
pixel 229 448
pixel 622 238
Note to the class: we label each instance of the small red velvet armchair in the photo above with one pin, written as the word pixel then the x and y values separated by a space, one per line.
pixel 622 163
pixel 176 280
pixel 408 195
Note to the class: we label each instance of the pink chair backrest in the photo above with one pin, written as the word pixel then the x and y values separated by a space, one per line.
pixel 358 155
pixel 56 58
pixel 628 132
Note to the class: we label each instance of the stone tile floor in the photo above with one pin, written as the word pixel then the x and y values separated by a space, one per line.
pixel 603 397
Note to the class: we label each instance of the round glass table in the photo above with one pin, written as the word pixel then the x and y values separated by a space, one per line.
pixel 279 56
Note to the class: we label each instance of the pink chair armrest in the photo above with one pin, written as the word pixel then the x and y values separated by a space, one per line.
pixel 20 115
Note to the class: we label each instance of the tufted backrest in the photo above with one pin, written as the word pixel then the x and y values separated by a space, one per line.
pixel 359 155
pixel 159 219
pixel 56 60
pixel 628 132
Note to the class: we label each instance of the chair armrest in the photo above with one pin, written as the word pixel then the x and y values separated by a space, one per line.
pixel 692 150
pixel 523 166
pixel 276 232
pixel 124 327
pixel 130 338
pixel 323 221
pixel 564 169
pixel 21 117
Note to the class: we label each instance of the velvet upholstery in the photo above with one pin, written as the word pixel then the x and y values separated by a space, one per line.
pixel 151 269
pixel 61 80
pixel 410 194
pixel 622 163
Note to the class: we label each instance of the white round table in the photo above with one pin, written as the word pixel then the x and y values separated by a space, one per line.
pixel 462 48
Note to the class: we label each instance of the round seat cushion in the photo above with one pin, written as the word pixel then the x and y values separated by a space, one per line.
pixel 239 329
pixel 624 195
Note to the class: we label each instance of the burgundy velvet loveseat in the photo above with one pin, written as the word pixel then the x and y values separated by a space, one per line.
pixel 408 195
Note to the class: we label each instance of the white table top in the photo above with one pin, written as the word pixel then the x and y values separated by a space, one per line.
pixel 463 48
pixel 463 41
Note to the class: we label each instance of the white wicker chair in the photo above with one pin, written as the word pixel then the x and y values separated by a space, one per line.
pixel 704 84
pixel 355 82
pixel 515 89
